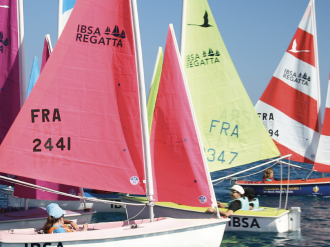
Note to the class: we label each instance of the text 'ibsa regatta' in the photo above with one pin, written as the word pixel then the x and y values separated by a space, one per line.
pixel 90 34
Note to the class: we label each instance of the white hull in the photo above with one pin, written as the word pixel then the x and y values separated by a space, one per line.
pixel 36 218
pixel 165 232
pixel 17 202
pixel 238 222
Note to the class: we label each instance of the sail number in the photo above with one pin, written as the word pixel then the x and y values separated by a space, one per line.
pixel 211 156
pixel 48 144
pixel 271 133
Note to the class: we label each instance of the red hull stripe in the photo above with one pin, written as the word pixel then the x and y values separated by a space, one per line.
pixel 295 156
pixel 292 182
pixel 305 46
pixel 303 109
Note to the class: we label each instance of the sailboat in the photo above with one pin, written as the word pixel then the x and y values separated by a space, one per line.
pixel 231 132
pixel 290 110
pixel 103 137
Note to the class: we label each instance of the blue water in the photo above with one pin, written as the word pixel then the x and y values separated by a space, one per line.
pixel 315 215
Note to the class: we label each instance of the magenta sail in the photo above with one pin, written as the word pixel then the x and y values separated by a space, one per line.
pixel 9 66
pixel 46 51
pixel 179 167
pixel 81 124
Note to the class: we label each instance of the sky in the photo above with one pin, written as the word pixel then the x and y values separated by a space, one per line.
pixel 256 34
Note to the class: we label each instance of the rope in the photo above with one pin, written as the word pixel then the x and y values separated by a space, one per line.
pixel 128 219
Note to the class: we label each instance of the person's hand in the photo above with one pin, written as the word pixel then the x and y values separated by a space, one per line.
pixel 219 203
pixel 85 227
pixel 74 225
pixel 210 210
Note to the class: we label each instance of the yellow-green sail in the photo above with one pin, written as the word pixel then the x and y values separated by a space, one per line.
pixel 232 133
pixel 154 87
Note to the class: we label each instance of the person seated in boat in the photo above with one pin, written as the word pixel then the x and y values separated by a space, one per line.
pixel 269 176
pixel 238 202
pixel 253 201
pixel 56 223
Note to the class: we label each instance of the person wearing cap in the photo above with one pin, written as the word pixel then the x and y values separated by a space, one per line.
pixel 253 201
pixel 56 223
pixel 238 202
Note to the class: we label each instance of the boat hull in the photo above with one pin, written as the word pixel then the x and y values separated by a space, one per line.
pixel 311 187
pixel 69 205
pixel 252 221
pixel 165 232
pixel 36 218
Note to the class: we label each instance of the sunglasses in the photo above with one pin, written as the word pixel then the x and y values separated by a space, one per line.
pixel 233 191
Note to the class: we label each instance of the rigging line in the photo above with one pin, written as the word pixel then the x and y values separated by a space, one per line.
pixel 66 194
pixel 255 172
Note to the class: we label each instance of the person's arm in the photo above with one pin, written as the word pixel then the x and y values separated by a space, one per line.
pixel 220 205
pixel 72 223
pixel 227 213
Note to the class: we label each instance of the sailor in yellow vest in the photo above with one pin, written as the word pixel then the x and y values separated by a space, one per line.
pixel 237 202
pixel 56 223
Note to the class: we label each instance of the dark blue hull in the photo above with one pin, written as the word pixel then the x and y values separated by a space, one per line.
pixel 311 187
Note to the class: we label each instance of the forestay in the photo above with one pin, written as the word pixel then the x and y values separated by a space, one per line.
pixel 289 107
pixel 81 124
pixel 232 133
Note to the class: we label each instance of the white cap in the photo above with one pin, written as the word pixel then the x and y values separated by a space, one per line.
pixel 237 188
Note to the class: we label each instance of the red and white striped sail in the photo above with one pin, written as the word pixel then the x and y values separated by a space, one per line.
pixel 289 107
pixel 81 124
pixel 322 160
pixel 180 170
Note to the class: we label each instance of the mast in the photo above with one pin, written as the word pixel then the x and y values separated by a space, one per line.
pixel 20 23
pixel 317 67
pixel 59 27
pixel 183 29
pixel 143 108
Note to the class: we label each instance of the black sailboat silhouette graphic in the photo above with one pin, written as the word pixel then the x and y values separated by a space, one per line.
pixel 107 31
pixel 206 21
pixel 115 31
pixel 123 34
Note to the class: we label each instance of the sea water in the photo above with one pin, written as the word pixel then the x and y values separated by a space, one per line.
pixel 315 214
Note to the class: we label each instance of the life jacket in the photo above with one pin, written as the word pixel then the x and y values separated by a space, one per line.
pixel 268 178
pixel 255 204
pixel 244 202
pixel 65 227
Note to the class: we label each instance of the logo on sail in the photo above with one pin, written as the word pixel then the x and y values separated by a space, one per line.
pixel 73 192
pixel 202 199
pixel 316 189
pixel 294 47
pixel 134 180
pixel 93 35
pixel 3 42
pixel 206 21
pixel 301 78
pixel 207 58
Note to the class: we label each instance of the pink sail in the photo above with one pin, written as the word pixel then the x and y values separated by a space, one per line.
pixel 81 124
pixel 46 51
pixel 179 171
pixel 289 107
pixel 322 160
pixel 9 66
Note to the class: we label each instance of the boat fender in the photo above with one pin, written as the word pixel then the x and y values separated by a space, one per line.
pixel 66 228
pixel 244 201
pixel 255 204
